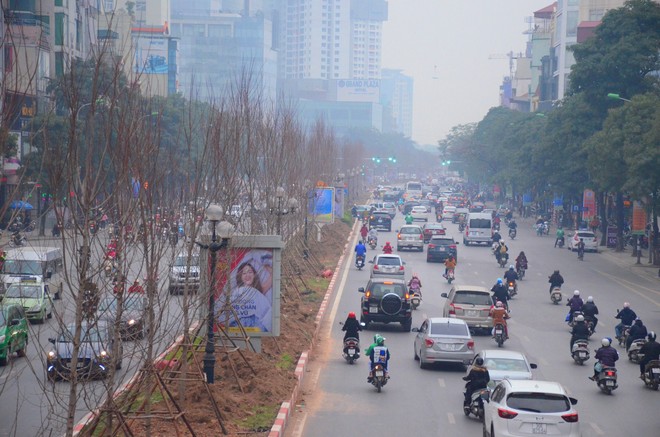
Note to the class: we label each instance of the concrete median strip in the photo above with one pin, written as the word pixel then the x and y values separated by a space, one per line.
pixel 277 430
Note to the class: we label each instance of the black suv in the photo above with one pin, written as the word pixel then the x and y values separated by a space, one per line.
pixel 380 221
pixel 440 247
pixel 386 300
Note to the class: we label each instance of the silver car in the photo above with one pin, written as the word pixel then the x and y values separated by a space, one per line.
pixel 471 303
pixel 443 339
pixel 506 364
pixel 388 265
pixel 410 237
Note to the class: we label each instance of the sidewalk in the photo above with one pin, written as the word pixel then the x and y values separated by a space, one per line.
pixel 625 259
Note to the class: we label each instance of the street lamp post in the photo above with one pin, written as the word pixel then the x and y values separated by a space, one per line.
pixel 279 211
pixel 616 96
pixel 213 215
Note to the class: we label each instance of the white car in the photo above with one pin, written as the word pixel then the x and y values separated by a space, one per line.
pixel 589 238
pixel 419 213
pixel 506 364
pixel 448 212
pixel 528 408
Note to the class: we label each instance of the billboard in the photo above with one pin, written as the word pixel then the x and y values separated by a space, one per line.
pixel 151 55
pixel 639 218
pixel 247 287
pixel 357 90
pixel 324 205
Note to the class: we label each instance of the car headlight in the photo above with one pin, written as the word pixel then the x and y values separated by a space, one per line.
pixel 104 354
pixel 51 355
pixel 131 322
pixel 36 308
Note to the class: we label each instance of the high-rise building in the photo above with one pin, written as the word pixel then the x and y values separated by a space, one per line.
pixel 396 97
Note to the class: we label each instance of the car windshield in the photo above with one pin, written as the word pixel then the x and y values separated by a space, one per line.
pixel 538 402
pixel 473 298
pixel 480 223
pixel 449 329
pixel 22 267
pixel 388 261
pixel 380 290
pixel 182 261
pixel 89 334
pixel 23 291
pixel 585 235
pixel 507 364
pixel 410 230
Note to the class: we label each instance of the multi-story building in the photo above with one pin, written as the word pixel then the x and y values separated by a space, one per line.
pixel 396 97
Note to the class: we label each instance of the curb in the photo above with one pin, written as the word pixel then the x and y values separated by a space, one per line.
pixel 278 428
pixel 94 414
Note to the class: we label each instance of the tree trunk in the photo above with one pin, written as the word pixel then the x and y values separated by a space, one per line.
pixel 619 221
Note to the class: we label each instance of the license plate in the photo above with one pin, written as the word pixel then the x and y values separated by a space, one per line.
pixel 539 428
pixel 655 370
pixel 443 249
pixel 379 373
pixel 449 347
pixel 473 233
pixel 373 309
pixel 351 351
pixel 609 383
pixel 380 220
pixel 582 354
pixel 471 313
pixel 498 331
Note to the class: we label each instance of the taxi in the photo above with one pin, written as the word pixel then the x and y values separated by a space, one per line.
pixel 13 331
pixel 33 295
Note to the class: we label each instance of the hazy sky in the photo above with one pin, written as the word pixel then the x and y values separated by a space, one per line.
pixel 458 36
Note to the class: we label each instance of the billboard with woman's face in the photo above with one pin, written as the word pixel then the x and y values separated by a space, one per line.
pixel 247 291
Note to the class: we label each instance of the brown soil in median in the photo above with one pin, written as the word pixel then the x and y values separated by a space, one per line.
pixel 249 403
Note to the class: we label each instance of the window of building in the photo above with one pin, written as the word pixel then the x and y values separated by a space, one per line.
pixel 571 23
pixel 59 64
pixel 9 59
pixel 108 5
pixel 596 14
pixel 219 30
pixel 78 35
pixel 59 28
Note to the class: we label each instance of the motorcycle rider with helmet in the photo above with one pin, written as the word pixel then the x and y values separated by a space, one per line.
pixel 575 303
pixel 409 219
pixel 415 284
pixel 364 231
pixel 450 264
pixel 352 327
pixel 637 332
pixel 559 235
pixel 605 356
pixel 580 331
pixel 373 235
pixel 521 261
pixel 477 378
pixel 500 293
pixel 590 310
pixel 555 280
pixel 387 249
pixel 511 276
pixel 627 316
pixel 499 314
pixel 650 351
pixel 360 250
pixel 378 353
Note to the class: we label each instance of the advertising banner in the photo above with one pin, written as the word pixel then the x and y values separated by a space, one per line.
pixel 324 204
pixel 247 290
pixel 527 199
pixel 588 205
pixel 639 218
pixel 151 55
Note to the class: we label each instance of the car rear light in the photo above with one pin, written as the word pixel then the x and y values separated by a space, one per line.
pixel 452 246
pixel 431 246
pixel 376 267
pixel 452 309
pixel 401 267
pixel 428 342
pixel 470 344
pixel 421 236
pixel 570 418
pixel 506 414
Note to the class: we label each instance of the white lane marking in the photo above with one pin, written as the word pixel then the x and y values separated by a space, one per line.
pixel 340 291
pixel 596 428
pixel 441 382
pixel 451 419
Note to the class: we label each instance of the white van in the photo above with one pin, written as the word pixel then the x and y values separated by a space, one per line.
pixel 478 229
pixel 33 263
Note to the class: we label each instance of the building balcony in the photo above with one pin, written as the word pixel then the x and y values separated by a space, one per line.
pixel 27 19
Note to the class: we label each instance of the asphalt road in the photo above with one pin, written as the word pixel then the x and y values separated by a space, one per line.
pixel 337 400
pixel 31 406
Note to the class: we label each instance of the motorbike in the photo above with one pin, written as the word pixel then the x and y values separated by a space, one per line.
pixel 580 351
pixel 496 227
pixel 449 276
pixel 17 240
pixel 590 325
pixel 539 230
pixel 359 261
pixel 652 374
pixel 633 351
pixel 461 227
pixel 504 259
pixel 513 288
pixel 555 295
pixel 521 271
pixel 415 299
pixel 606 379
pixel 573 321
pixel 380 377
pixel 624 334
pixel 560 243
pixel 351 350
pixel 512 233
pixel 499 334
pixel 476 406
pixel 373 243
pixel 546 228
pixel 580 252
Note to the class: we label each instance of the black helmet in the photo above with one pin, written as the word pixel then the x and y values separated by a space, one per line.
pixel 651 336
pixel 479 361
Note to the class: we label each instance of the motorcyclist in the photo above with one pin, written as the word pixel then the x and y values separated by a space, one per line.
pixel 521 261
pixel 580 248
pixel 637 332
pixel 513 225
pixel 352 327
pixel 580 330
pixel 373 235
pixel 606 356
pixel 650 351
pixel 477 379
pixel 136 287
pixel 378 354
pixel 555 280
pixel 360 250
pixel 627 317
pixel 511 275
pixel 387 249
pixel 450 264
pixel 575 303
pixel 409 219
pixel 364 231
pixel 500 315
pixel 560 235
pixel 415 284
pixel 500 293
pixel 590 311
pixel 496 237
pixel 503 252
pixel 354 211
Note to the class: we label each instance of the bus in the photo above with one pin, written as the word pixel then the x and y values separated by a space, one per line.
pixel 413 190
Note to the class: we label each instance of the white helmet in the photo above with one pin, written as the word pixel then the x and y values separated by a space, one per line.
pixel 590 299
pixel 579 318
pixel 626 305
pixel 576 293
pixel 605 342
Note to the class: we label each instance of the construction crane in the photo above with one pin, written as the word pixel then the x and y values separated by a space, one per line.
pixel 511 56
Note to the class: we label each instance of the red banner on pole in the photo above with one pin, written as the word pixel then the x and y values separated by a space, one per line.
pixel 588 205
pixel 639 218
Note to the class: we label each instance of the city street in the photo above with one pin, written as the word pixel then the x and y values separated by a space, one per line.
pixel 33 406
pixel 337 400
